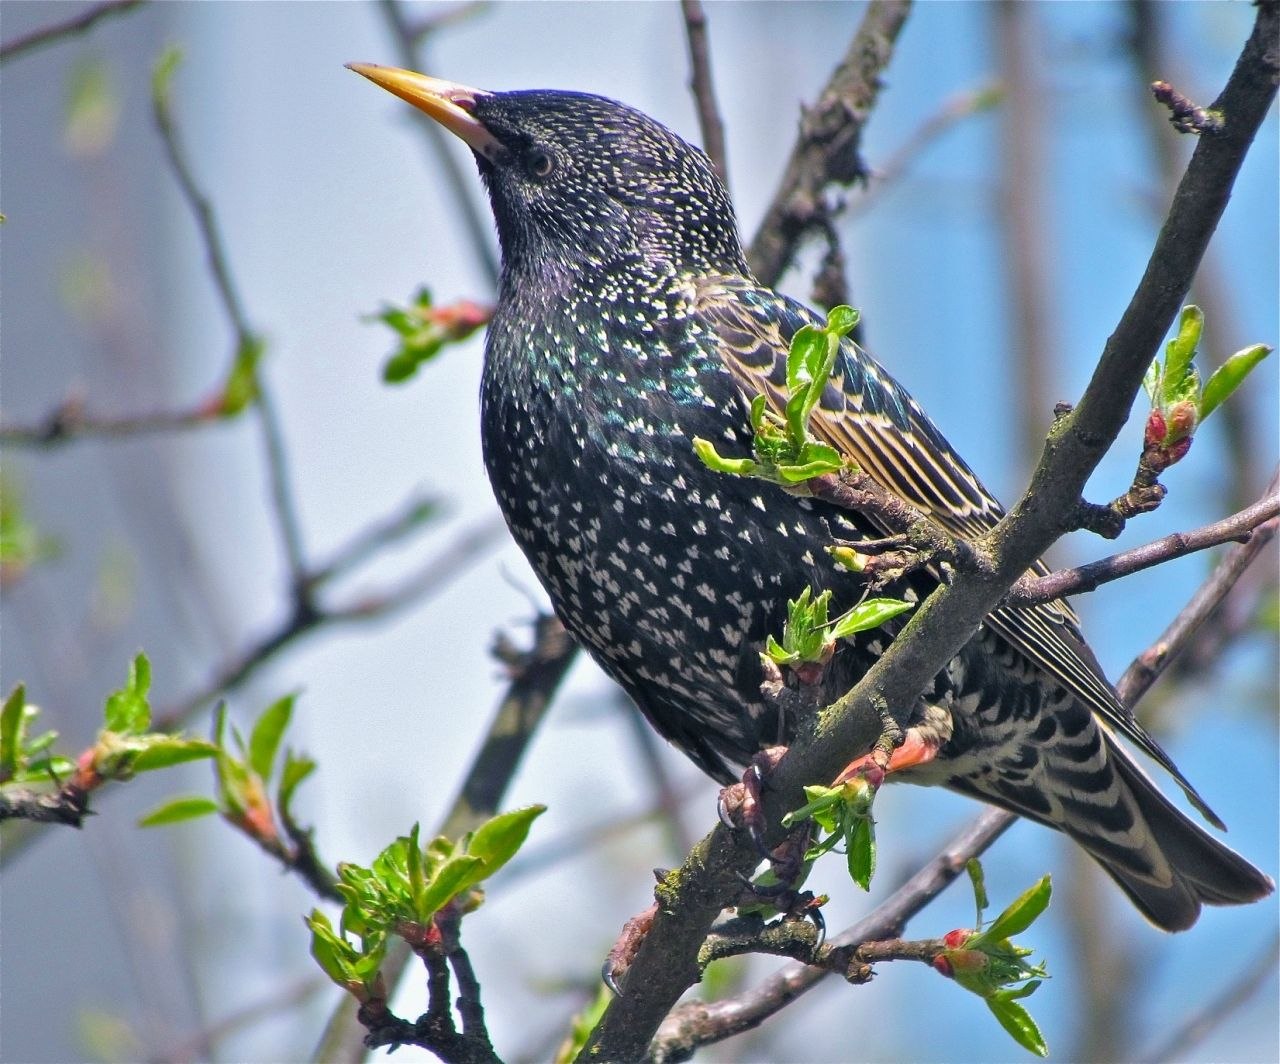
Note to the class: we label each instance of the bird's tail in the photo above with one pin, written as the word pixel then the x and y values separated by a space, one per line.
pixel 1167 864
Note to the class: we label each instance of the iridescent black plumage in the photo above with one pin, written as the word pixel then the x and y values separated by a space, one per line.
pixel 627 324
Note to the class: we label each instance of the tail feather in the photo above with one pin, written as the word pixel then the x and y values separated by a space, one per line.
pixel 1190 866
pixel 1091 788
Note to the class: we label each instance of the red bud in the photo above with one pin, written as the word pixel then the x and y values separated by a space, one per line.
pixel 957 938
pixel 1156 428
pixel 1182 421
pixel 941 964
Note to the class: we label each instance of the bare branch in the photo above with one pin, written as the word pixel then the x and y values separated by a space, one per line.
pixel 703 86
pixel 68 805
pixel 826 151
pixel 1148 666
pixel 69 421
pixel 1257 520
pixel 954 110
pixel 246 338
pixel 87 18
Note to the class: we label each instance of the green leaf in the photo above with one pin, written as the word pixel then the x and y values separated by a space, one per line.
pixel 1018 1022
pixel 162 74
pixel 161 751
pixel 979 880
pixel 332 952
pixel 496 841
pixel 1151 382
pixel 869 614
pixel 127 711
pixel 1228 377
pixel 296 769
pixel 1021 913
pixel 842 320
pixel 13 719
pixel 860 844
pixel 808 345
pixel 451 879
pixel 267 732
pixel 179 809
pixel 1180 351
pixel 417 874
pixel 717 463
pixel 242 386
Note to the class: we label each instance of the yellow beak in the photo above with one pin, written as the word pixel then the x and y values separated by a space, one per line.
pixel 447 102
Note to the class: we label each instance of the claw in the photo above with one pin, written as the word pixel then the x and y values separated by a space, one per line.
pixel 614 970
pixel 814 913
pixel 609 979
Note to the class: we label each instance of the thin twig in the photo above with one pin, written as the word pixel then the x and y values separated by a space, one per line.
pixel 703 86
pixel 468 546
pixel 87 18
pixel 1153 60
pixel 1148 666
pixel 69 422
pixel 246 339
pixel 1257 520
pixel 826 151
pixel 891 172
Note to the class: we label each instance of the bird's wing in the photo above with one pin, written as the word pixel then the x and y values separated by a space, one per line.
pixel 867 416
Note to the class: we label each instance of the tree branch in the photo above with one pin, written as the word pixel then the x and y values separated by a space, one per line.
pixel 690 899
pixel 247 339
pixel 1148 666
pixel 826 151
pixel 69 421
pixel 88 18
pixel 703 86
pixel 1258 520
pixel 696 1023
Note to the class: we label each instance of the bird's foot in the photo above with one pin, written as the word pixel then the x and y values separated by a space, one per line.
pixel 915 749
pixel 614 971
pixel 741 804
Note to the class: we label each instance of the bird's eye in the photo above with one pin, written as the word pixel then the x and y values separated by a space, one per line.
pixel 540 163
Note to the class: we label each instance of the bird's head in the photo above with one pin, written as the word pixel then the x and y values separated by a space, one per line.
pixel 580 182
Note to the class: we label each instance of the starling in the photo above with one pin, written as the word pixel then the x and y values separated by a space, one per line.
pixel 628 323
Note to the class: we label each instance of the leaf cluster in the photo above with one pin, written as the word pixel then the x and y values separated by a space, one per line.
pixel 987 963
pixel 124 746
pixel 784 451
pixel 401 893
pixel 243 773
pixel 1179 402
pixel 423 330
pixel 843 815
pixel 809 636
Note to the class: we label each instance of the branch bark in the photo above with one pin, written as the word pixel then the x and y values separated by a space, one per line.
pixel 826 151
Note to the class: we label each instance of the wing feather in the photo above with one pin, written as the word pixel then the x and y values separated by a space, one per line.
pixel 867 416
